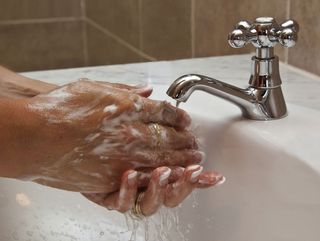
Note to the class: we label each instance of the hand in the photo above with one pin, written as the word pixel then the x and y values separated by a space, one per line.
pixel 168 187
pixel 89 133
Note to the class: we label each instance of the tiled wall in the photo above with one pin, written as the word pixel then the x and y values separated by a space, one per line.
pixel 43 34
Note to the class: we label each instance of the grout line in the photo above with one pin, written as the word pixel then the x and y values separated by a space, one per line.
pixel 84 32
pixel 192 22
pixel 140 25
pixel 120 40
pixel 288 9
pixel 40 20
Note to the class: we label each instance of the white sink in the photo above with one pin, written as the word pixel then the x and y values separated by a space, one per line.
pixel 271 192
pixel 272 170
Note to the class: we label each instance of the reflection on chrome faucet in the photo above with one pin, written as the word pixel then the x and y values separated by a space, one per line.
pixel 263 98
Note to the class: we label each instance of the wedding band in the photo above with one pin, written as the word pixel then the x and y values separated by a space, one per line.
pixel 136 209
pixel 157 131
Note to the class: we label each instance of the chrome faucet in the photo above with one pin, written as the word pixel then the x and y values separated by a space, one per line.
pixel 263 98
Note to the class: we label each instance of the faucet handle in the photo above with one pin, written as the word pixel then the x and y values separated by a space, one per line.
pixel 265 32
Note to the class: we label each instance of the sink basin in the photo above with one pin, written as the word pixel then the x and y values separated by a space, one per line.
pixel 271 192
pixel 272 169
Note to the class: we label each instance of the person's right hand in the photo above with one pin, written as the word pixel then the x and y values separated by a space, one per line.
pixel 165 186
pixel 88 134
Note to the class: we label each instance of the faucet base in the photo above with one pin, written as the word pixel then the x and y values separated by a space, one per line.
pixel 267 104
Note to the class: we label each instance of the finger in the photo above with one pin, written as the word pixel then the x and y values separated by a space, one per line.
pixel 210 179
pixel 164 113
pixel 95 197
pixel 154 195
pixel 161 137
pixel 145 174
pixel 123 200
pixel 178 191
pixel 156 158
pixel 144 91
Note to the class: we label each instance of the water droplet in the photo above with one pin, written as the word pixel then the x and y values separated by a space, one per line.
pixel 101 233
pixel 14 235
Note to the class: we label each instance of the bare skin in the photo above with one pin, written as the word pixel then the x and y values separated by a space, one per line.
pixel 15 86
pixel 97 138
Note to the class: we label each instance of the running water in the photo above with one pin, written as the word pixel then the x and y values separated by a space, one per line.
pixel 165 225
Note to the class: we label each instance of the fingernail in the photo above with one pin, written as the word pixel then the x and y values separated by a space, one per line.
pixel 132 178
pixel 192 167
pixel 221 179
pixel 195 175
pixel 163 180
pixel 218 180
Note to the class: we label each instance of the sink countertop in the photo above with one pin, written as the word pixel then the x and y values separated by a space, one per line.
pixel 296 134
pixel 299 87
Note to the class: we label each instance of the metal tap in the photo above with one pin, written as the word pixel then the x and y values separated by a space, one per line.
pixel 263 98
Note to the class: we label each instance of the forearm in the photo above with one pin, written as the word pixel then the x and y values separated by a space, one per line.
pixel 15 136
pixel 13 85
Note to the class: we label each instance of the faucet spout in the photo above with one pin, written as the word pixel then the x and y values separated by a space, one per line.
pixel 255 103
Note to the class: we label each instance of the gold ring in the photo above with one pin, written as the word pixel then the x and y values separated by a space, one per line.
pixel 157 131
pixel 136 209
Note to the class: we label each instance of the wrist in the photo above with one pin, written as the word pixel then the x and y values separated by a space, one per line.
pixel 17 132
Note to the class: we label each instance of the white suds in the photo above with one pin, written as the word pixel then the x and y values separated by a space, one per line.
pixel 97 175
pixel 104 147
pixel 60 93
pixel 92 137
pixel 164 135
pixel 132 175
pixel 138 104
pixel 135 132
pixel 122 196
pixel 111 109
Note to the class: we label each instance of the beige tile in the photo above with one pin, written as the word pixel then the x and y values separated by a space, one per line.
pixel 30 9
pixel 41 46
pixel 214 19
pixel 166 28
pixel 119 17
pixel 103 49
pixel 305 54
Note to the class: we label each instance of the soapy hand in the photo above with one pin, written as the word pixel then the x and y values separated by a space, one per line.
pixel 90 133
pixel 165 186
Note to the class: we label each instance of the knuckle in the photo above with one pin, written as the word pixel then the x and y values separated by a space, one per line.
pixel 123 209
pixel 170 204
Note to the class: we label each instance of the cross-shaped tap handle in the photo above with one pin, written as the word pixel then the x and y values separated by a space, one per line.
pixel 265 32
